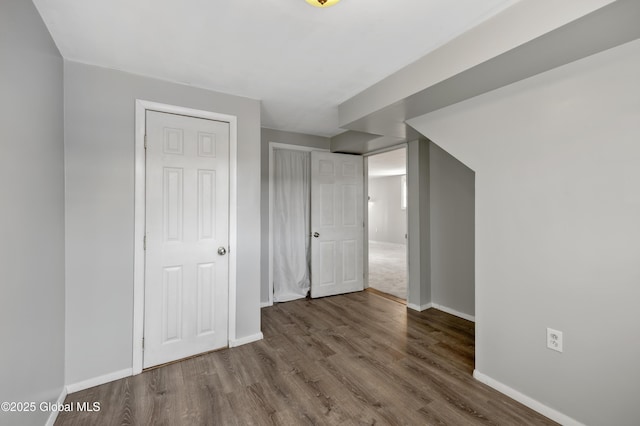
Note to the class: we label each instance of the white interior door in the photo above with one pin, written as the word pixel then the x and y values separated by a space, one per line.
pixel 187 221
pixel 337 225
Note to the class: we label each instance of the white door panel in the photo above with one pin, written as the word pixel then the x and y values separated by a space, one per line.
pixel 336 223
pixel 187 205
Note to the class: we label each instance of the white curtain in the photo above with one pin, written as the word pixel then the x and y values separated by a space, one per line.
pixel 291 224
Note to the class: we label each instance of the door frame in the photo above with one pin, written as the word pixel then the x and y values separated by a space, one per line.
pixel 273 146
pixel 402 145
pixel 141 107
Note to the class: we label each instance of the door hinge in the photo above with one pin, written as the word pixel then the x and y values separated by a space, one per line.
pixel 144 243
pixel 145 141
pixel 143 343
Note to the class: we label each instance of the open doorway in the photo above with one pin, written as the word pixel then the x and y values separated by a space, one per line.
pixel 387 219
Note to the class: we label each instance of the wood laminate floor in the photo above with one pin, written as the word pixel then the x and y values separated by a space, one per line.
pixel 356 359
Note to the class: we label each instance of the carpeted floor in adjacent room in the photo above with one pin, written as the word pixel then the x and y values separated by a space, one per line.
pixel 388 268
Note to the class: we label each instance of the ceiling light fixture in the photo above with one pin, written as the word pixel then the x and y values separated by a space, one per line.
pixel 322 3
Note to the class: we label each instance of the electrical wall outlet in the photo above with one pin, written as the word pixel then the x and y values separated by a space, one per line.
pixel 554 339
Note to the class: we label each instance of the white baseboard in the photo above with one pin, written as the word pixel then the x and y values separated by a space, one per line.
pixel 54 414
pixel 454 312
pixel 419 308
pixel 245 340
pixel 265 304
pixel 549 412
pixel 101 380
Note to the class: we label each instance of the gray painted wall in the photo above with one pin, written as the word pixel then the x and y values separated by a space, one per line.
pixel 32 213
pixel 557 231
pixel 99 155
pixel 269 135
pixel 441 230
pixel 387 220
pixel 452 217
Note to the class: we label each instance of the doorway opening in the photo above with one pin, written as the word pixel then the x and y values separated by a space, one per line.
pixel 387 223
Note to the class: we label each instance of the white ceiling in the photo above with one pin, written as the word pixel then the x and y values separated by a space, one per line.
pixel 391 163
pixel 300 61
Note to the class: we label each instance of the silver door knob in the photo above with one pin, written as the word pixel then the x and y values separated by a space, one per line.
pixel 315 234
pixel 222 251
